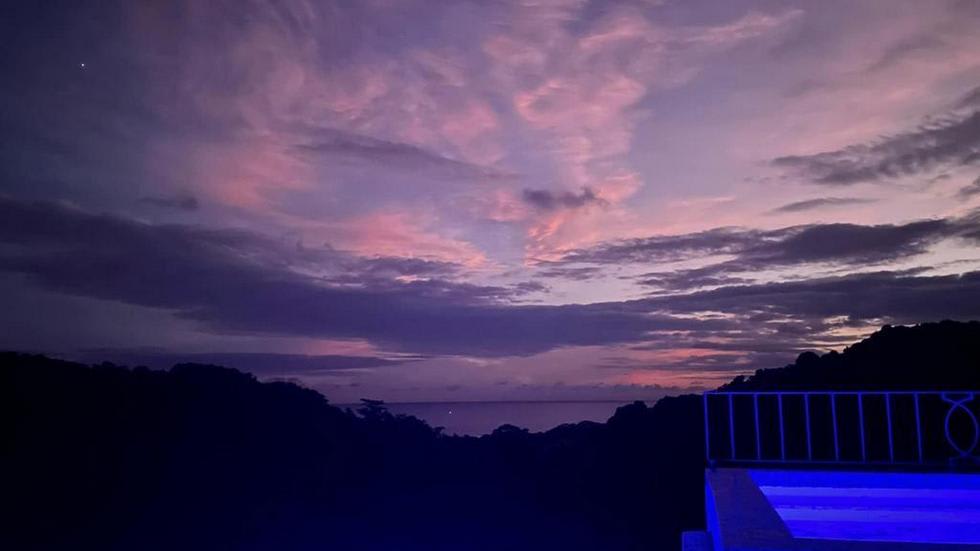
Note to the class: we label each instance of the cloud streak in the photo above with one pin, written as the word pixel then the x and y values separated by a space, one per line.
pixel 971 190
pixel 234 281
pixel 258 363
pixel 819 203
pixel 898 296
pixel 843 244
pixel 949 142
pixel 371 151
pixel 185 202
pixel 549 200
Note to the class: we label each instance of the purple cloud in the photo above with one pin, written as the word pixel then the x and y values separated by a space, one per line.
pixel 845 244
pixel 949 141
pixel 550 200
pixel 821 202
pixel 234 281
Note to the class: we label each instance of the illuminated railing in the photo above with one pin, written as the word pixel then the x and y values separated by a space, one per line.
pixel 927 428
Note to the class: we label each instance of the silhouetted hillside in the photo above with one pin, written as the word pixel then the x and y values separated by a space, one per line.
pixel 944 355
pixel 205 457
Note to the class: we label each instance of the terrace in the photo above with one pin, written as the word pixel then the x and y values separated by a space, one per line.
pixel 828 470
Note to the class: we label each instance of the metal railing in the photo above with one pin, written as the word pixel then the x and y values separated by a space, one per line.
pixel 926 428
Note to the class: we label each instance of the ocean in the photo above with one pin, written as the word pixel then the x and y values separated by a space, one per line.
pixel 478 418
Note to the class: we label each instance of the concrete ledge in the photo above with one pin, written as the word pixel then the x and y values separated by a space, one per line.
pixel 743 517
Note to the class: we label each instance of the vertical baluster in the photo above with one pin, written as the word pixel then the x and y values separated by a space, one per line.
pixel 707 433
pixel 758 438
pixel 833 419
pixel 782 434
pixel 918 426
pixel 731 424
pixel 809 443
pixel 888 416
pixel 860 399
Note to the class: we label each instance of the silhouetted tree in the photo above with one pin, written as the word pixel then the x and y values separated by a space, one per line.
pixel 205 457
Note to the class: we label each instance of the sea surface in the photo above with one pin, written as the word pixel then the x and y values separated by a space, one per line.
pixel 478 418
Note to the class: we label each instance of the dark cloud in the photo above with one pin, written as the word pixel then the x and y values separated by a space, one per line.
pixel 336 143
pixel 812 204
pixel 903 49
pixel 970 99
pixel 528 287
pixel 773 322
pixel 844 244
pixel 897 296
pixel 970 190
pixel 848 246
pixel 575 273
pixel 739 359
pixel 407 266
pixel 949 141
pixel 234 281
pixel 668 247
pixel 184 202
pixel 238 282
pixel 383 271
pixel 550 200
pixel 848 243
pixel 260 364
pixel 693 278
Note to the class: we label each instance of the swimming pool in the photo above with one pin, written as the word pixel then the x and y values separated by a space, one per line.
pixel 937 508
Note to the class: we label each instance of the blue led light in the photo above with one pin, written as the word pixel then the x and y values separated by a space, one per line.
pixel 874 506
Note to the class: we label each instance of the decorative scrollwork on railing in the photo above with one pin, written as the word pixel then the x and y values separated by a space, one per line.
pixel 957 403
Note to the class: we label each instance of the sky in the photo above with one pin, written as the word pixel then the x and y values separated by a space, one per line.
pixel 485 200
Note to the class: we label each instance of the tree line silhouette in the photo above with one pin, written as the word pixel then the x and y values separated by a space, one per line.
pixel 207 457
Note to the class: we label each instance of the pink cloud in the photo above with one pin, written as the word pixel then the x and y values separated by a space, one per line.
pixel 400 234
pixel 579 94
pixel 557 102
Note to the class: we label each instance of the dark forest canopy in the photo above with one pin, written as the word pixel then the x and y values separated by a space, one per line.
pixel 206 457
pixel 941 356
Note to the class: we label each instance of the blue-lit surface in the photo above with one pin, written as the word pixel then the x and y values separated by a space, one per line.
pixel 866 506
